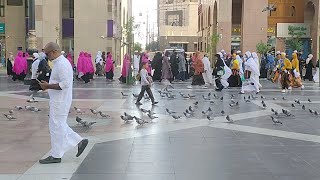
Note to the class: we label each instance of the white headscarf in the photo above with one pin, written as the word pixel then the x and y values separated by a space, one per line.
pixel 42 56
pixel 250 64
pixel 98 57
pixel 255 58
pixel 310 56
pixel 36 55
pixel 240 63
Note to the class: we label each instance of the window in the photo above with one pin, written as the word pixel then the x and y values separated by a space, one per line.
pixel 1 8
pixel 26 8
pixel 14 2
pixel 71 8
pixel 174 18
pixel 109 5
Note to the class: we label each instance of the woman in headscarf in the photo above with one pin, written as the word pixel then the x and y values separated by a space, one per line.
pixel 109 67
pixel 156 64
pixel 10 63
pixel 125 69
pixel 296 77
pixel 99 64
pixel 166 69
pixel 91 66
pixel 251 71
pixel 256 60
pixel 285 73
pixel 218 71
pixel 81 65
pixel 145 59
pixel 20 67
pixel 309 67
pixel 198 70
pixel 69 57
pixel 235 80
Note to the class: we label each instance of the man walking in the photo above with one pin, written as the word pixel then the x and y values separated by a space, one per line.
pixel 207 75
pixel 182 67
pixel 63 138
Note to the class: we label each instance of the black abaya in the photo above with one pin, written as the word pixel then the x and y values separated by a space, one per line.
pixel 9 68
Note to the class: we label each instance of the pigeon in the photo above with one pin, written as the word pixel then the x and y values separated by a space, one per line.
pixel 292 105
pixel 311 111
pixel 229 119
pixel 188 112
pixel 94 111
pixel 176 117
pixel 211 102
pixel 125 118
pixel 185 97
pixel 244 98
pixel 190 109
pixel 170 96
pixel 78 119
pixel 191 96
pixel 9 117
pixel 270 7
pixel 103 115
pixel 215 96
pixel 209 118
pixel 275 99
pixel 144 110
pixel 309 100
pixel 303 107
pixel 276 113
pixel 18 107
pixel 221 99
pixel 162 95
pixel 187 115
pixel 181 94
pixel 248 101
pixel 275 121
pixel 124 95
pixel 316 113
pixel 283 98
pixel 170 112
pixel 231 105
pixel 272 110
pixel 34 109
pixel 88 124
pixel 262 102
pixel 206 98
pixel 209 94
pixel 264 105
pixel 136 95
pixel 196 103
pixel 146 97
pixel 298 102
pixel 287 113
pixel 262 97
pixel 232 96
pixel 128 116
pixel 32 99
pixel 78 110
pixel 222 112
pixel 152 117
pixel 139 121
pixel 11 112
pixel 249 97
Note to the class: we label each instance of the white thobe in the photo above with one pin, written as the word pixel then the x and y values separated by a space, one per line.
pixel 207 75
pixel 63 138
pixel 251 84
pixel 136 64
pixel 225 77
pixel 34 69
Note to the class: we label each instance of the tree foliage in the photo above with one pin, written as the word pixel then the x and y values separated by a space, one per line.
pixel 214 39
pixel 153 46
pixel 295 42
pixel 137 46
pixel 262 48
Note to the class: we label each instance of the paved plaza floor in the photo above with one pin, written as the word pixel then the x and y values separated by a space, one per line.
pixel 251 148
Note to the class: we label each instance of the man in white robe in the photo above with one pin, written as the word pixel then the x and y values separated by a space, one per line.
pixel 207 75
pixel 136 63
pixel 63 138
pixel 256 60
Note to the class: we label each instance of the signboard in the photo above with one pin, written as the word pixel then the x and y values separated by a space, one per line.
pixel 2 28
pixel 283 29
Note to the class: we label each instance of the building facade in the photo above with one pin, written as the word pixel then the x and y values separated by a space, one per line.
pixel 177 24
pixel 241 24
pixel 79 25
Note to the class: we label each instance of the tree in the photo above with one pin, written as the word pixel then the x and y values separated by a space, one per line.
pixel 214 39
pixel 153 46
pixel 137 46
pixel 295 42
pixel 262 48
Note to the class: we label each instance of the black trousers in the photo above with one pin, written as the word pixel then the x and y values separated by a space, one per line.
pixel 149 92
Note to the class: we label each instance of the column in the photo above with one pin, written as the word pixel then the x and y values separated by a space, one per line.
pixel 254 24
pixel 224 26
pixel 32 40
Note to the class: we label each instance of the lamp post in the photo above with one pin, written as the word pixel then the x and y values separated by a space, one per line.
pixel 32 40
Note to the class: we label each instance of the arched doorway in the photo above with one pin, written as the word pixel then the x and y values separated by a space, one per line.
pixel 309 17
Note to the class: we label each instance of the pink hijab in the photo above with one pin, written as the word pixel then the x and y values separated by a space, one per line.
pixel 125 66
pixel 80 64
pixel 90 65
pixel 20 64
pixel 109 63
pixel 69 57
pixel 145 59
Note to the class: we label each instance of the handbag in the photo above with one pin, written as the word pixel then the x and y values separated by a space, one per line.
pixel 220 73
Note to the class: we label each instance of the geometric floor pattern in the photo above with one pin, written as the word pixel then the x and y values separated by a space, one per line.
pixel 166 149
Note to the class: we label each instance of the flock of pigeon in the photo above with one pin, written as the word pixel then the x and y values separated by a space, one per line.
pixel 11 114
pixel 209 113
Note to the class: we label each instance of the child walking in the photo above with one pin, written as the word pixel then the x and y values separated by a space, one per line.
pixel 146 81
